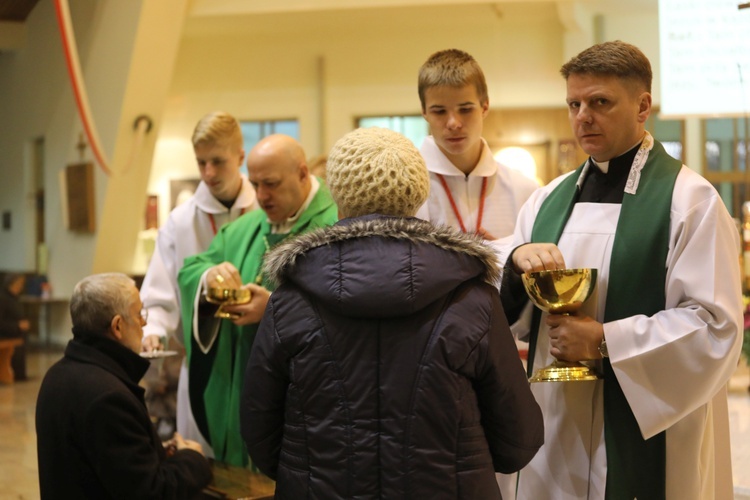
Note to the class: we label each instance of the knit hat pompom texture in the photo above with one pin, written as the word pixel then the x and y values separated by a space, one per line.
pixel 377 171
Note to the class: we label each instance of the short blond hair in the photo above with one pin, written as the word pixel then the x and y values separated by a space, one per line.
pixel 218 128
pixel 617 58
pixel 452 68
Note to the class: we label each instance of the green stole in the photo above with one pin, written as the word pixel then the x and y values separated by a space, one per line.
pixel 636 468
pixel 216 377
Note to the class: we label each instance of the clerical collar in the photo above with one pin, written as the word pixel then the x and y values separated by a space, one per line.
pixel 286 226
pixel 624 160
pixel 603 165
pixel 605 182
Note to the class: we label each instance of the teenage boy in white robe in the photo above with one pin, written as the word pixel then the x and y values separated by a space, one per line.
pixel 663 328
pixel 223 195
pixel 469 190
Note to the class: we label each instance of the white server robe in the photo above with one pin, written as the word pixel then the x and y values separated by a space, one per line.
pixel 507 190
pixel 188 231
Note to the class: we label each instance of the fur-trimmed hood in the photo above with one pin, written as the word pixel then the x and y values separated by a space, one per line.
pixel 381 266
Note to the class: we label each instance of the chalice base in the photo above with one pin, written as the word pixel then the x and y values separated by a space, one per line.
pixel 563 371
pixel 227 297
pixel 225 315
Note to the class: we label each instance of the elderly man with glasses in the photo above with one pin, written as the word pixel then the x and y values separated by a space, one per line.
pixel 94 435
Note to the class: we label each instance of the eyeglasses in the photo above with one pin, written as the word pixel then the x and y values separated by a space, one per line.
pixel 144 314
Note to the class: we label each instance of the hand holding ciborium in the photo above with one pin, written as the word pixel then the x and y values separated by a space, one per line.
pixel 561 291
pixel 227 297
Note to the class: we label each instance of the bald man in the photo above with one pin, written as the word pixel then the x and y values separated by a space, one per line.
pixel 292 202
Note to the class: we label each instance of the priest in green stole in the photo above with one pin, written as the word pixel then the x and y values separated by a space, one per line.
pixel 292 202
pixel 663 326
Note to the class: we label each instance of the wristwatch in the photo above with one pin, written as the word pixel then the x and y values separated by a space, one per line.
pixel 603 349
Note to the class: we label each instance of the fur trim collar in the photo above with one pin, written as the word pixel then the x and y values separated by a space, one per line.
pixel 282 258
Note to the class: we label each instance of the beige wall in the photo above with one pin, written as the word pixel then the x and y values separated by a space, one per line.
pixel 324 67
pixel 37 101
pixel 273 66
pixel 365 61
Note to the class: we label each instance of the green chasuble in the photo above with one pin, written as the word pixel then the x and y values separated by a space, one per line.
pixel 635 467
pixel 216 376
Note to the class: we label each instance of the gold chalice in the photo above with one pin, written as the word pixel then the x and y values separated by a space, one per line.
pixel 227 297
pixel 561 291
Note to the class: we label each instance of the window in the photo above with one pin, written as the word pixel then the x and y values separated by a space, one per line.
pixel 668 132
pixel 414 127
pixel 255 130
pixel 726 160
pixel 673 149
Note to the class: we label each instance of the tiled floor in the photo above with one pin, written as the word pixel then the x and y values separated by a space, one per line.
pixel 18 468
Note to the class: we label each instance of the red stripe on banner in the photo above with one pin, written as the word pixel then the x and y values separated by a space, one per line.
pixel 76 89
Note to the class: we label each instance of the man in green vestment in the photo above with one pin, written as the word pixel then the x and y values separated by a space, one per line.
pixel 663 325
pixel 292 202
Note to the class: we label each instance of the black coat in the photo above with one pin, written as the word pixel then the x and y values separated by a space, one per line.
pixel 384 368
pixel 94 435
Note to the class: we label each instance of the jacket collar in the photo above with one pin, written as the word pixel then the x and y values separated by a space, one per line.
pixel 108 354
pixel 283 257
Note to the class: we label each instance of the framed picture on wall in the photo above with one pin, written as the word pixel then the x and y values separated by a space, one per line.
pixel 78 189
pixel 180 190
pixel 152 211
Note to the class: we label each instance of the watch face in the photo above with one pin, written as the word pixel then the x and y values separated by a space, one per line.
pixel 603 349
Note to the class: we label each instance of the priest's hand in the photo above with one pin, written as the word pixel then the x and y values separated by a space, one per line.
pixel 574 338
pixel 252 312
pixel 537 257
pixel 225 275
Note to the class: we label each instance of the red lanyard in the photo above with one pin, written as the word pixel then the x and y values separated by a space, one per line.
pixel 213 222
pixel 455 208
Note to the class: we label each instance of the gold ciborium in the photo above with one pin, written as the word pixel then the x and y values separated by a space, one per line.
pixel 561 291
pixel 227 297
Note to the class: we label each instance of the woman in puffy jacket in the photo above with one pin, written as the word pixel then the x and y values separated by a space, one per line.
pixel 384 366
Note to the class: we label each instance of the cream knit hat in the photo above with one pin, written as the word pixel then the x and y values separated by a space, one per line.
pixel 377 171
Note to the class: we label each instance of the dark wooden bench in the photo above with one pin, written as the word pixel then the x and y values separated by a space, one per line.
pixel 7 346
